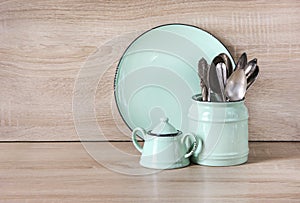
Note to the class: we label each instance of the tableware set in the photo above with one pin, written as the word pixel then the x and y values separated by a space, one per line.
pixel 184 109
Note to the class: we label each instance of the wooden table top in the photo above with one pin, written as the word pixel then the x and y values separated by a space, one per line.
pixel 65 172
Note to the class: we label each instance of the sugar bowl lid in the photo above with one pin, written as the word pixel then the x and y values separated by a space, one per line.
pixel 164 128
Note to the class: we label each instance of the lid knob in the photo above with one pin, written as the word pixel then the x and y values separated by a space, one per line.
pixel 165 119
pixel 164 128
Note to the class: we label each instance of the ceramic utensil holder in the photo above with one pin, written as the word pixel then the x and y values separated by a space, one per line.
pixel 223 129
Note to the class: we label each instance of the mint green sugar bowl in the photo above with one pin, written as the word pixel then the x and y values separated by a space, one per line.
pixel 222 127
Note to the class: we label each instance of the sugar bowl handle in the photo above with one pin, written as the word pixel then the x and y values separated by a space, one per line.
pixel 134 138
pixel 195 143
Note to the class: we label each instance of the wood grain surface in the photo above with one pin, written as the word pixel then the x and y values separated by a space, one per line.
pixel 64 172
pixel 44 44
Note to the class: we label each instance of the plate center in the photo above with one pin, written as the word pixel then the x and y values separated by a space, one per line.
pixel 152 102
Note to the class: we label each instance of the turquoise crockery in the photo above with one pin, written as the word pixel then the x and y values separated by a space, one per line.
pixel 223 130
pixel 165 147
pixel 157 74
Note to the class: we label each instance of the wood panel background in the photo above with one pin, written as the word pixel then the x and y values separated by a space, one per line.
pixel 44 44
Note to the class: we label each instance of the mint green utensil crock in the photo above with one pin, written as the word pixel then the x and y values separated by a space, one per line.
pixel 223 129
pixel 165 147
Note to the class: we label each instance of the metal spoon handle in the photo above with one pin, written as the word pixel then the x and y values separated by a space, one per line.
pixel 221 75
pixel 204 91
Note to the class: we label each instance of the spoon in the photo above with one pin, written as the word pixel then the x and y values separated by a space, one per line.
pixel 251 78
pixel 250 67
pixel 242 61
pixel 228 64
pixel 222 77
pixel 235 89
pixel 213 80
pixel 202 72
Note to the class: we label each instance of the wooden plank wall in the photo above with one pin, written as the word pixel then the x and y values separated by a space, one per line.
pixel 44 43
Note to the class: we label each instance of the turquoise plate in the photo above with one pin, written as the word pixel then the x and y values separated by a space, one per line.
pixel 157 75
